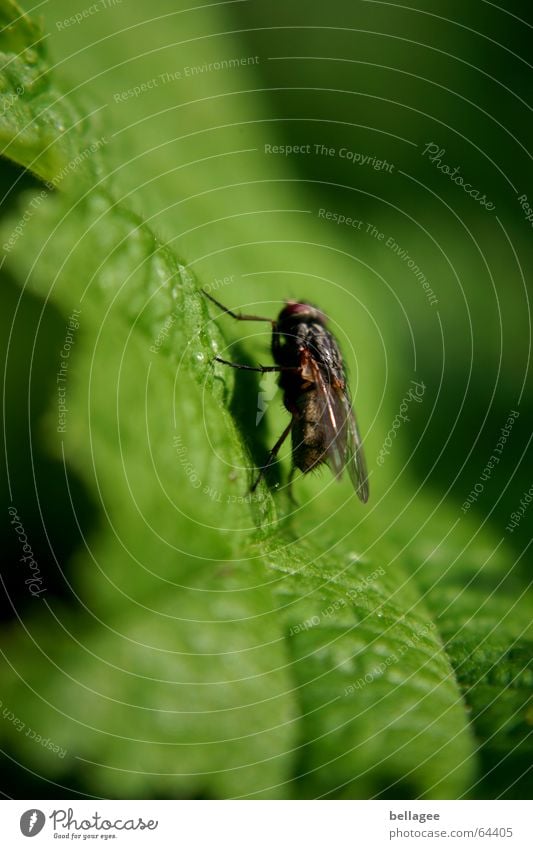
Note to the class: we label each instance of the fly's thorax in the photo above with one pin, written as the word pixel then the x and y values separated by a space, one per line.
pixel 294 333
pixel 294 340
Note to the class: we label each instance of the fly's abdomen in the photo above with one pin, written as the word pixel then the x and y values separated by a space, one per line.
pixel 308 447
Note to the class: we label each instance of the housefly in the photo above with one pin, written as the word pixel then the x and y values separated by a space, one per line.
pixel 315 393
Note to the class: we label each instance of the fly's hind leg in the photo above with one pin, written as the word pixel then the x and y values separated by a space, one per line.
pixel 272 455
pixel 290 490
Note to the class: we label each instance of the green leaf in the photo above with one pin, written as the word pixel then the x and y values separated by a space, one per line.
pixel 38 127
pixel 377 691
pixel 167 629
pixel 377 646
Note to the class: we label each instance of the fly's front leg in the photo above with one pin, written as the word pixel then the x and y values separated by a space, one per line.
pixel 261 369
pixel 239 316
pixel 272 455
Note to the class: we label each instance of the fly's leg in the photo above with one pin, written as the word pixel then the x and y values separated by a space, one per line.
pixel 290 492
pixel 272 455
pixel 262 369
pixel 239 316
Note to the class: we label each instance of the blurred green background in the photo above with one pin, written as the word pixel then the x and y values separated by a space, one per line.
pixel 191 102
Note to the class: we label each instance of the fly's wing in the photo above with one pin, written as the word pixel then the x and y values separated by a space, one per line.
pixel 341 435
pixel 355 457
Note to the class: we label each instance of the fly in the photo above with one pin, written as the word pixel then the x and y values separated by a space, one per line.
pixel 315 393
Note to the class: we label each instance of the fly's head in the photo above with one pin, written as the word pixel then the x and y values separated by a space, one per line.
pixel 298 312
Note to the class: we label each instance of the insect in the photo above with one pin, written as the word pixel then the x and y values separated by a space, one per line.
pixel 315 393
